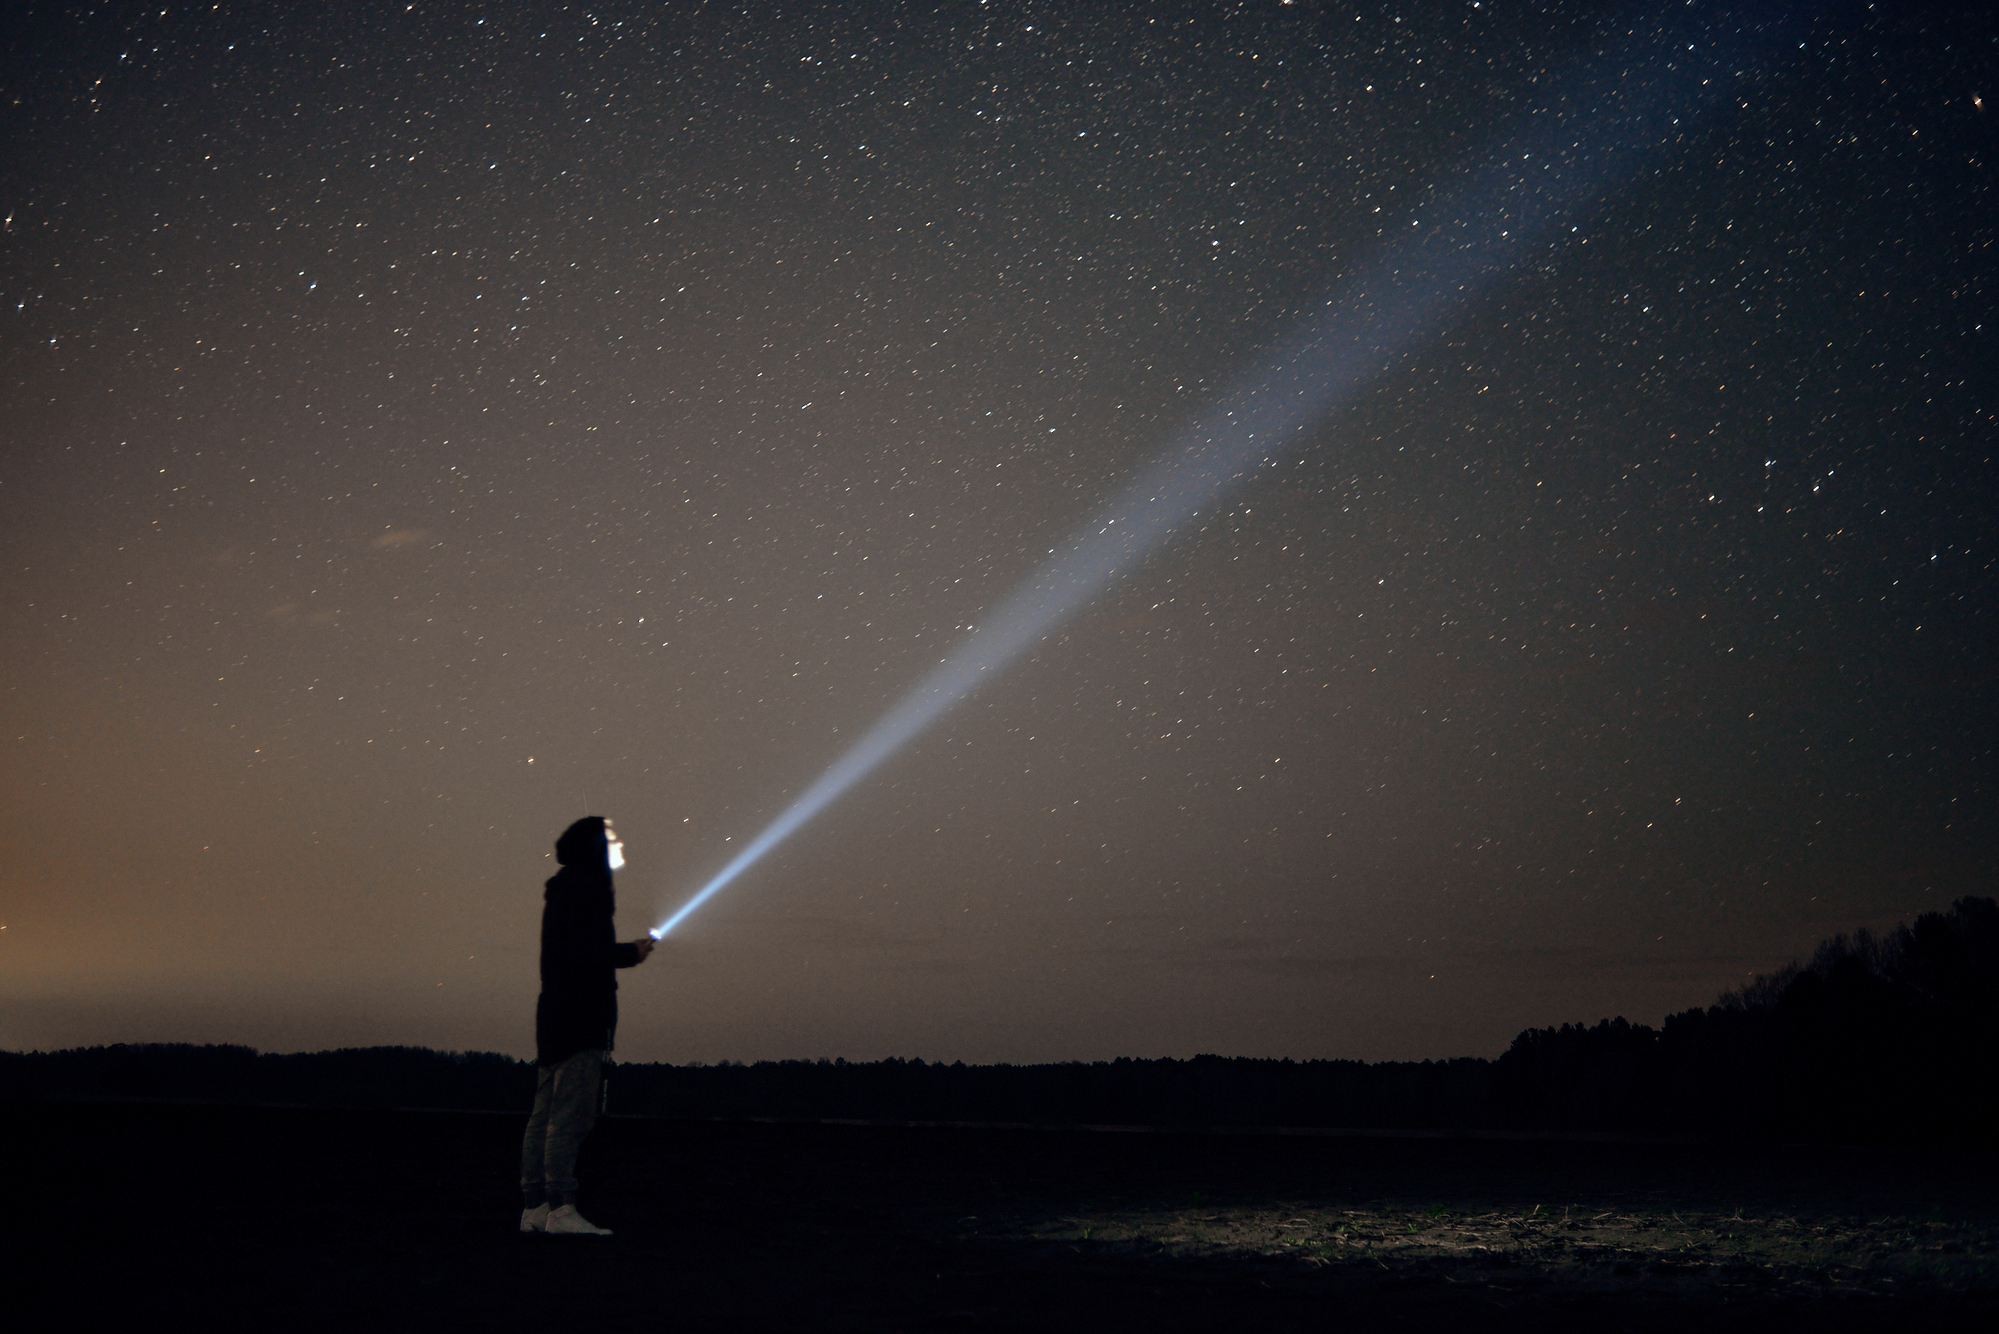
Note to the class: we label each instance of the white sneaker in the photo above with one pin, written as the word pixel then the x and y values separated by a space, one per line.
pixel 567 1221
pixel 535 1219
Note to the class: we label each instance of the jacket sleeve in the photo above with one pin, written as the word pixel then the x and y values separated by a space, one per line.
pixel 578 938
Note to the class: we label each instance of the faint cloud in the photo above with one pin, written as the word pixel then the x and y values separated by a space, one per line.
pixel 400 537
pixel 287 613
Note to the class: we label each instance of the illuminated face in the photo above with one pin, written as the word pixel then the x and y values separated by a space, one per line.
pixel 615 846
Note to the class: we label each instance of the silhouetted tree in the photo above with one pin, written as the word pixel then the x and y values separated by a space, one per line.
pixel 1580 1078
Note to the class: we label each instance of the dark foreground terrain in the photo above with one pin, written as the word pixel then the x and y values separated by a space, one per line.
pixel 222 1217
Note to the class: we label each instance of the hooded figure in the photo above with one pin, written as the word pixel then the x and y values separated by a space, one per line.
pixel 580 953
pixel 574 1022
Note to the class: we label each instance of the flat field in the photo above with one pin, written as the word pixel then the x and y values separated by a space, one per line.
pixel 233 1217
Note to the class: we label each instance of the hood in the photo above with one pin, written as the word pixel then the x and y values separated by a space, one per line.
pixel 582 846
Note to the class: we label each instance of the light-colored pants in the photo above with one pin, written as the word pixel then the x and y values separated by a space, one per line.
pixel 565 1107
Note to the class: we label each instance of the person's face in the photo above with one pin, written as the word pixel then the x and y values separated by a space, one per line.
pixel 615 846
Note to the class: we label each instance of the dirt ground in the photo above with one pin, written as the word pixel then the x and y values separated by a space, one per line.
pixel 276 1217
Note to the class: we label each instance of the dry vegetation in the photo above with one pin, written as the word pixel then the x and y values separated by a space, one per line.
pixel 1552 1245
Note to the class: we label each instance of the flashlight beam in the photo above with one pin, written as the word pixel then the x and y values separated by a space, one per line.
pixel 1629 105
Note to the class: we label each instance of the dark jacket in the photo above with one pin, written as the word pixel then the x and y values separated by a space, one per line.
pixel 580 953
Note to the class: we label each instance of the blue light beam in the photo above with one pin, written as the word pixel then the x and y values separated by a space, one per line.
pixel 1627 106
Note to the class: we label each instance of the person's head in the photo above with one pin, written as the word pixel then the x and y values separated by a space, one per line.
pixel 591 844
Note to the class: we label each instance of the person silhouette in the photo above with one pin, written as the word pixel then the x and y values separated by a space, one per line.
pixel 575 1020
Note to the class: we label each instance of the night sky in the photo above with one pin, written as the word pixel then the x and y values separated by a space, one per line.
pixel 423 425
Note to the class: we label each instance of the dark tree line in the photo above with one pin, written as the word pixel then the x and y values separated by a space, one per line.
pixel 1205 1091
pixel 350 1077
pixel 1872 1039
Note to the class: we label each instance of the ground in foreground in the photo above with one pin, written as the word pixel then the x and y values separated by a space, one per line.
pixel 382 1220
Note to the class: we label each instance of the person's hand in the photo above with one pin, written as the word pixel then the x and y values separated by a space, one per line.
pixel 645 947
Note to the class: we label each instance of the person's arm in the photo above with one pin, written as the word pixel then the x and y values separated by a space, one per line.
pixel 632 953
pixel 578 932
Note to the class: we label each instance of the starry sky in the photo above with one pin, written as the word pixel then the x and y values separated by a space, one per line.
pixel 424 424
